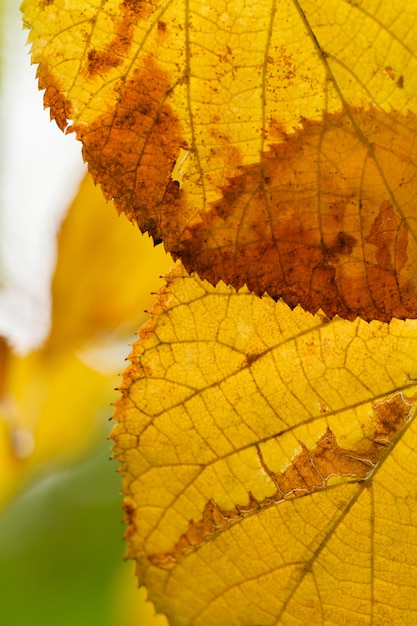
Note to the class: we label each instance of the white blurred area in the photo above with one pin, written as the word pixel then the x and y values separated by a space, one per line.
pixel 40 169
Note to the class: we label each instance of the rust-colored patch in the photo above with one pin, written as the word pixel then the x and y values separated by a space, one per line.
pixel 309 472
pixel 399 82
pixel 129 509
pixel 325 220
pixel 250 359
pixel 139 8
pixel 390 72
pixel 60 108
pixel 131 151
pixel 390 416
pixel 100 61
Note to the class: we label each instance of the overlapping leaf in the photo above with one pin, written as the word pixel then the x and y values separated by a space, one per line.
pixel 268 459
pixel 269 143
pixel 267 455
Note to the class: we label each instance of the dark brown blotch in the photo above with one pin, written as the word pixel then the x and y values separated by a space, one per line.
pixel 98 61
pixel 132 150
pixel 322 220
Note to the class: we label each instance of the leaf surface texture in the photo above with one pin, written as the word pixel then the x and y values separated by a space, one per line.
pixel 268 459
pixel 271 144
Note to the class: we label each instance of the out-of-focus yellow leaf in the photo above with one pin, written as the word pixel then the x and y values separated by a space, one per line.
pixel 104 276
pixel 51 400
pixel 52 408
pixel 268 459
pixel 269 143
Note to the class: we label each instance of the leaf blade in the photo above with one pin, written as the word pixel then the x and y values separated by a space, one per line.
pixel 211 460
pixel 294 147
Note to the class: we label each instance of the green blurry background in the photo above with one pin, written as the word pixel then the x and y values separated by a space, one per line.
pixel 61 553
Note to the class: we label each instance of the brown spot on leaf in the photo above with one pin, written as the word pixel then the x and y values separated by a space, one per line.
pixel 399 82
pixel 324 220
pixel 309 472
pixel 135 7
pixel 129 509
pixel 391 415
pixel 100 61
pixel 390 72
pixel 250 359
pixel 132 151
pixel 343 245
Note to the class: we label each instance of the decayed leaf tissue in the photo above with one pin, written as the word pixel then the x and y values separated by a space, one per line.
pixel 266 427
pixel 299 120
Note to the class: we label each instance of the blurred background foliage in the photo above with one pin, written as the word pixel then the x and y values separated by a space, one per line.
pixel 61 548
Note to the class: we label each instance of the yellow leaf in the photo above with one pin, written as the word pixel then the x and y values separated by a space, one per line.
pixel 269 143
pixel 268 460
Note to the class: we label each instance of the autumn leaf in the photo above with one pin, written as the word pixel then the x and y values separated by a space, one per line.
pixel 271 144
pixel 268 460
pixel 267 454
